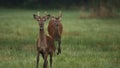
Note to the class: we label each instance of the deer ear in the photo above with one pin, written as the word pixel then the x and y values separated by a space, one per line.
pixel 34 16
pixel 48 16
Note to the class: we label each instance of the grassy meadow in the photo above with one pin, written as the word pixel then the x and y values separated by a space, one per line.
pixel 86 43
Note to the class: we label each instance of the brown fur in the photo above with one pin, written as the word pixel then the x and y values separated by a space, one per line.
pixel 50 45
pixel 54 33
pixel 45 44
pixel 55 30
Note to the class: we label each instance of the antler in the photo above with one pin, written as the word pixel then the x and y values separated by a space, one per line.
pixel 47 16
pixel 60 13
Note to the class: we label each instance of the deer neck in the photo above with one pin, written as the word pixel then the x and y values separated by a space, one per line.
pixel 42 35
pixel 57 31
pixel 42 43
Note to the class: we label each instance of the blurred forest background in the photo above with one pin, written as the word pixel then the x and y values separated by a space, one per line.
pixel 97 8
pixel 60 3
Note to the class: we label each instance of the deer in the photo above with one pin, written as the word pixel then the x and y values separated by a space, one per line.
pixel 55 29
pixel 45 44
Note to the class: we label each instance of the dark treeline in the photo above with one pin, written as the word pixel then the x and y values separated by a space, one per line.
pixel 59 3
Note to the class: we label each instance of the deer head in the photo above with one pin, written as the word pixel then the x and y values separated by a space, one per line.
pixel 56 20
pixel 41 20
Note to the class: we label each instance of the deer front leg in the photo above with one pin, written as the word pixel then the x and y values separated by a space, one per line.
pixel 50 60
pixel 37 59
pixel 45 60
pixel 59 48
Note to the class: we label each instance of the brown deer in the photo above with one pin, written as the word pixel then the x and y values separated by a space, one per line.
pixel 45 44
pixel 55 29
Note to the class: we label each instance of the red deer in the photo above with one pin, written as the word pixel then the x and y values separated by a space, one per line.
pixel 45 44
pixel 55 29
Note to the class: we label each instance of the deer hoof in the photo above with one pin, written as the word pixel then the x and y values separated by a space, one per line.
pixel 59 51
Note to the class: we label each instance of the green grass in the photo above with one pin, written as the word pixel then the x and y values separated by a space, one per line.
pixel 86 43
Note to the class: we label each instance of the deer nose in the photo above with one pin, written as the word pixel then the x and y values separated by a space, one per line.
pixel 41 28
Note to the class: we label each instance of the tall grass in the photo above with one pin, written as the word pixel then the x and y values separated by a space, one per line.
pixel 86 43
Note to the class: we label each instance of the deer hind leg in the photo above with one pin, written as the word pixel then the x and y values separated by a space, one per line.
pixel 37 59
pixel 59 47
pixel 50 60
pixel 45 60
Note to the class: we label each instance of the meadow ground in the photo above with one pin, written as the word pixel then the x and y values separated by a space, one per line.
pixel 86 43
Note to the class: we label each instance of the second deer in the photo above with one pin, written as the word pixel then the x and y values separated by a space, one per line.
pixel 55 29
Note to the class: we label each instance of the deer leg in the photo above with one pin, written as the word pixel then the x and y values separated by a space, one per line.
pixel 45 61
pixel 59 48
pixel 50 60
pixel 37 59
pixel 43 56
